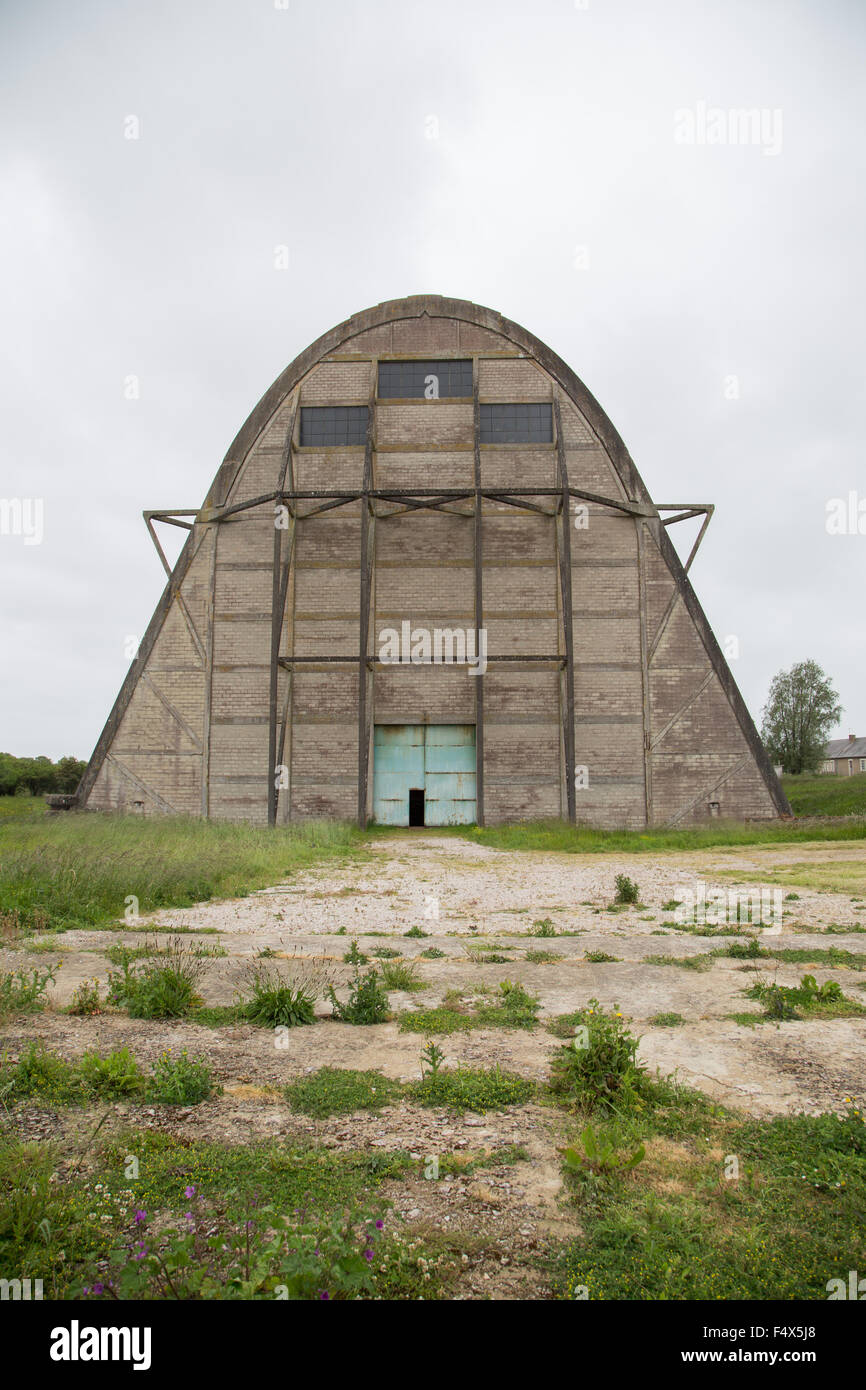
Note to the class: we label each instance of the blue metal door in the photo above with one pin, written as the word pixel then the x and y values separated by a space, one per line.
pixel 449 774
pixel 398 765
pixel 438 759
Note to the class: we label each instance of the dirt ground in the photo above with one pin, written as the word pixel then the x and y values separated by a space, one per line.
pixel 473 899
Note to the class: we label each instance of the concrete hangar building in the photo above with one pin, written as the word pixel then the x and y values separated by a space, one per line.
pixel 428 586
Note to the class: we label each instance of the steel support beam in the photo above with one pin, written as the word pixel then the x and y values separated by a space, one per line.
pixel 366 576
pixel 564 549
pixel 478 565
pixel 281 571
pixel 685 511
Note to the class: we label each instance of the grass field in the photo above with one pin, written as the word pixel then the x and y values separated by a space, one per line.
pixel 131 1170
pixel 64 871
pixel 826 796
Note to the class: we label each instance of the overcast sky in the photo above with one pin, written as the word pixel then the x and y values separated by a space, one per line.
pixel 563 163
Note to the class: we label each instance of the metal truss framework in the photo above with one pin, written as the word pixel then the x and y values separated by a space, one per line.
pixel 405 501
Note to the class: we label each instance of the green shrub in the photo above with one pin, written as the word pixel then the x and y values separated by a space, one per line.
pixel 432 953
pixel 416 932
pixel 595 1158
pixel 367 1002
pixel 782 1002
pixel 277 1002
pixel 627 891
pixel 23 991
pixel 515 1008
pixel 40 1075
pixel 86 1001
pixel 543 927
pixel 166 989
pixel 598 1068
pixel 340 1091
pixel 598 957
pixel 180 1080
pixel 355 957
pixel 110 1077
pixel 387 953
pixel 469 1088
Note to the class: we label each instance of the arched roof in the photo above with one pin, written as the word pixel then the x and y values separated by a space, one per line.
pixel 433 306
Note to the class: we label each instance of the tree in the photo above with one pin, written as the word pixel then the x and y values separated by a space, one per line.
pixel 802 707
pixel 38 775
pixel 68 773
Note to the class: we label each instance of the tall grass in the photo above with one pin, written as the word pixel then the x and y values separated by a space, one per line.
pixel 826 796
pixel 78 870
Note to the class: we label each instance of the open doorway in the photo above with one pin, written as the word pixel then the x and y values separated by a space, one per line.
pixel 416 805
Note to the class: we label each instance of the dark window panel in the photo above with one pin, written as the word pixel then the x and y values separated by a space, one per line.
pixel 517 424
pixel 332 425
pixel 409 379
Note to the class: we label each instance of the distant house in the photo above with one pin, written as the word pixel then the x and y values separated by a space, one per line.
pixel 845 756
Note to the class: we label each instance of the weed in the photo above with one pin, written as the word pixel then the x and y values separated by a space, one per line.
pixel 514 1008
pixel 277 1002
pixel 443 1019
pixel 401 975
pixel 598 957
pixel 745 950
pixel 599 1067
pixel 355 957
pixel 416 932
pixel 627 891
pixel 340 1091
pixel 180 1080
pixel 112 1077
pixel 23 991
pixel 163 990
pixel 783 1002
pixel 86 1000
pixel 595 1159
pixel 467 1088
pixel 367 1002
pixel 701 961
pixel 40 1075
pixel 543 927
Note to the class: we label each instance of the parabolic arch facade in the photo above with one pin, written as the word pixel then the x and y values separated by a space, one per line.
pixel 426 472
